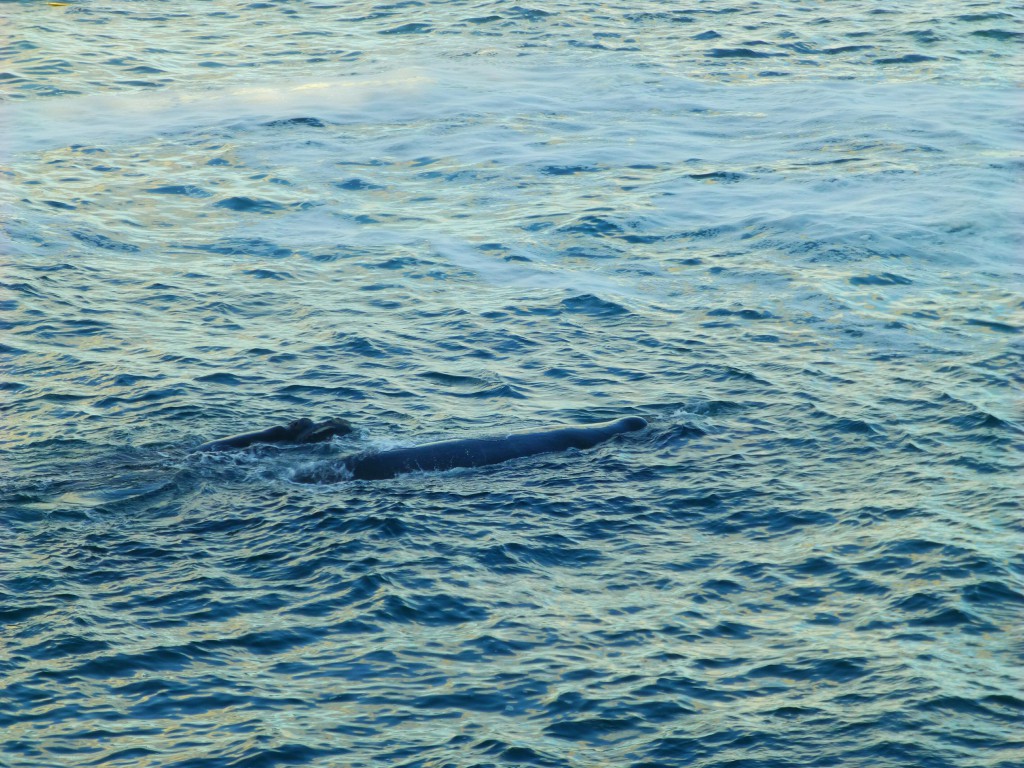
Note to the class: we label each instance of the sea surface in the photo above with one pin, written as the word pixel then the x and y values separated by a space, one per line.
pixel 787 234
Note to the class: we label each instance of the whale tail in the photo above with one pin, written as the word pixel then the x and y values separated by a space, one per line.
pixel 298 432
pixel 324 430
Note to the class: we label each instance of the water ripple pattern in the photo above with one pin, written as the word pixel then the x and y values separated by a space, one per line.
pixel 786 234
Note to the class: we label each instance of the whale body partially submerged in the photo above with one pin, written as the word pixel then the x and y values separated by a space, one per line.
pixel 469 452
pixel 430 457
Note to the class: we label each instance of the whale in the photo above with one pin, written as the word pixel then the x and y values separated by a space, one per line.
pixel 298 432
pixel 468 452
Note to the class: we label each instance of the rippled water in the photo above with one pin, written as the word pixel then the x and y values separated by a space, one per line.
pixel 786 234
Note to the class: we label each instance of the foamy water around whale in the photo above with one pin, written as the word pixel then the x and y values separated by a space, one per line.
pixel 787 236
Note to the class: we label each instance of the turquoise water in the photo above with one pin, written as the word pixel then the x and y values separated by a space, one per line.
pixel 786 234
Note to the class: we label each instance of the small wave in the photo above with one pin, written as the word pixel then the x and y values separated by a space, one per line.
pixel 593 305
pixel 183 190
pixel 432 610
pixel 992 325
pixel 910 58
pixel 741 53
pixel 249 205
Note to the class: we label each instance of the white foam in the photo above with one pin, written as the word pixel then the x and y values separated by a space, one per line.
pixel 108 119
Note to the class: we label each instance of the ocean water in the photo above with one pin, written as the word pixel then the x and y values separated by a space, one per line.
pixel 787 234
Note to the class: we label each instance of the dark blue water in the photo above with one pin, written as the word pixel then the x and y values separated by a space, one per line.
pixel 787 235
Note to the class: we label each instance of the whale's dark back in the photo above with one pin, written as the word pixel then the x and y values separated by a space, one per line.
pixel 481 451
